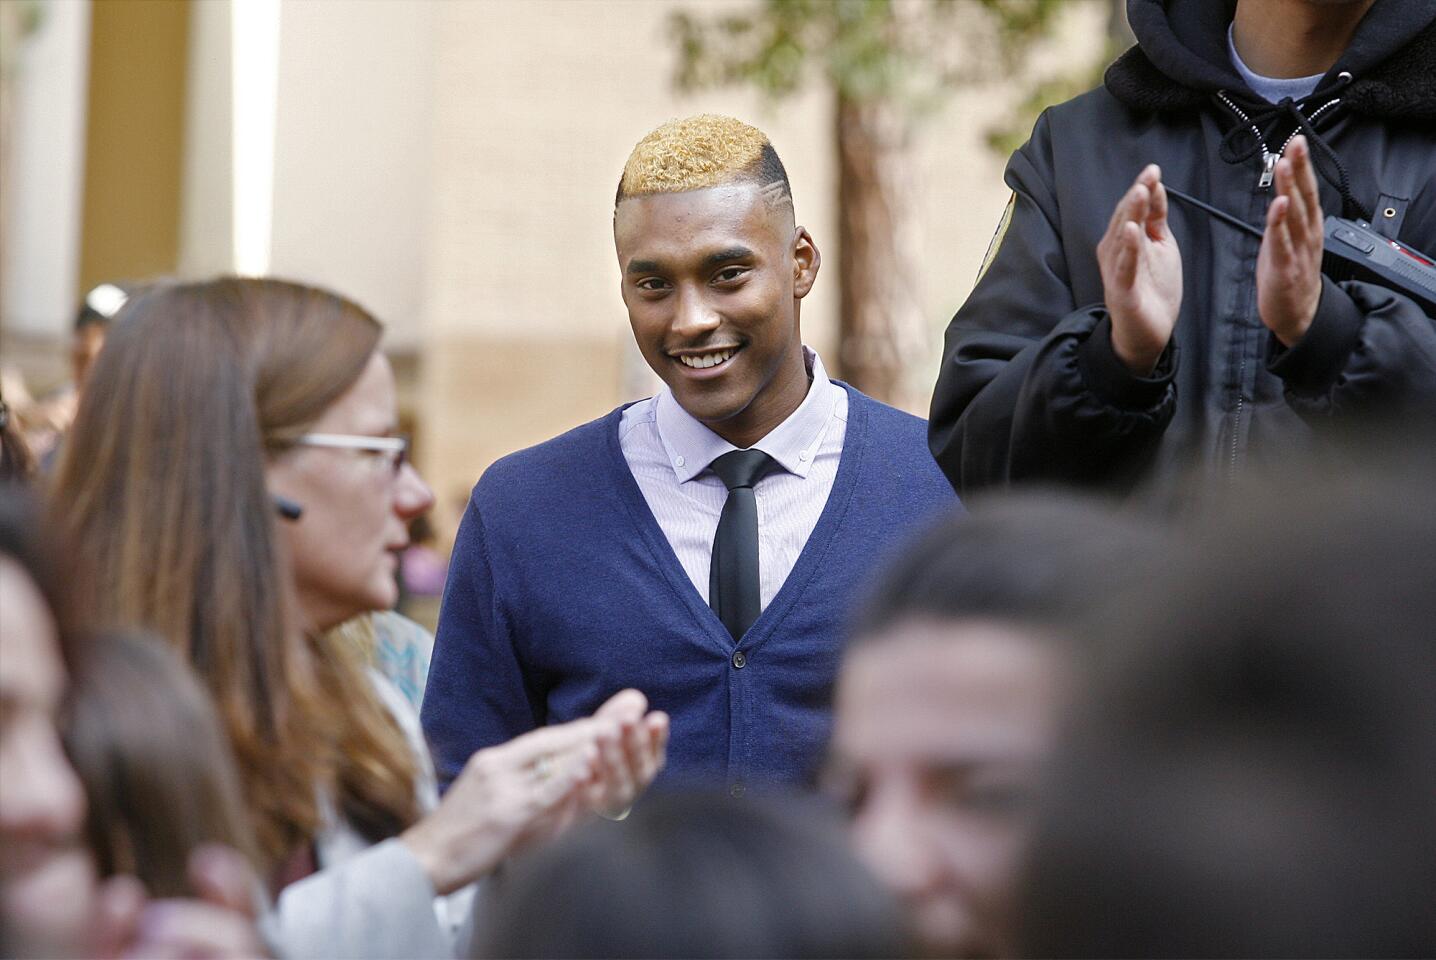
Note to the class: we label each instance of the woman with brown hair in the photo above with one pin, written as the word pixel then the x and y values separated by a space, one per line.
pixel 215 409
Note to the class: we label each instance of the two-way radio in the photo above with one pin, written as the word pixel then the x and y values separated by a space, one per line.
pixel 1352 250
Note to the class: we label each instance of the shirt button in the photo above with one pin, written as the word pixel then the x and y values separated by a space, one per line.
pixel 803 456
pixel 678 461
pixel 740 660
pixel 737 790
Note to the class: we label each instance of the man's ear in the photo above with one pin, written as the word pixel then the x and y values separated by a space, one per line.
pixel 806 261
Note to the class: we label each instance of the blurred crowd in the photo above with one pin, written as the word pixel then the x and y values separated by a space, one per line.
pixel 730 671
pixel 1063 726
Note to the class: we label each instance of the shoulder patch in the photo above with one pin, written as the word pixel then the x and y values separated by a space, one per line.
pixel 996 241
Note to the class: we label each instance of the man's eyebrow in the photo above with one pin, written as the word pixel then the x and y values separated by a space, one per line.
pixel 723 256
pixel 718 256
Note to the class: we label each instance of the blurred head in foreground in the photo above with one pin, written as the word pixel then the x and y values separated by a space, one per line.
pixel 1256 774
pixel 52 900
pixel 47 877
pixel 950 695
pixel 693 875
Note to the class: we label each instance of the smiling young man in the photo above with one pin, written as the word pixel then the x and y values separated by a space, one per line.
pixel 702 545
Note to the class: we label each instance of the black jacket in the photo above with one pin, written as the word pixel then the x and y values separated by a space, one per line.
pixel 1030 389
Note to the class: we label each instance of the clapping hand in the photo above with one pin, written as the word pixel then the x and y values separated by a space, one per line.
pixel 1289 262
pixel 533 787
pixel 631 755
pixel 1141 273
pixel 506 797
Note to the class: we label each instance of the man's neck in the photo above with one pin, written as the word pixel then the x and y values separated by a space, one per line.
pixel 785 395
pixel 1294 38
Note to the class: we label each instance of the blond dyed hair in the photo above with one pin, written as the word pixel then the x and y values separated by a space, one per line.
pixel 704 151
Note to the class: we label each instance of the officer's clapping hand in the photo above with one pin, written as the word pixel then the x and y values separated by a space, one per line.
pixel 1141 273
pixel 1289 263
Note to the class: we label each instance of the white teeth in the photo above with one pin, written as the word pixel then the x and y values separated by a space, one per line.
pixel 707 360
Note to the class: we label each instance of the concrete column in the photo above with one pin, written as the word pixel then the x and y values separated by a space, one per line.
pixel 45 175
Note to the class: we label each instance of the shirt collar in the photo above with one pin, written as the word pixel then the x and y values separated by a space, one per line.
pixel 794 443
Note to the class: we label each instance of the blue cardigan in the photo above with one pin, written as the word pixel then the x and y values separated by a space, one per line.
pixel 563 590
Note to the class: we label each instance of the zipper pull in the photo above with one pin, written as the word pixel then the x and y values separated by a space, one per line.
pixel 1268 173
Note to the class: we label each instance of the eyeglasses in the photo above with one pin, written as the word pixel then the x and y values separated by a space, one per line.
pixel 393 450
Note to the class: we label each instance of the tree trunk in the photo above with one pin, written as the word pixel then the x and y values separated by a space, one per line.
pixel 882 333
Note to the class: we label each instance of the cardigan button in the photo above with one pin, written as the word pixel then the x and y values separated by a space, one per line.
pixel 739 660
pixel 737 789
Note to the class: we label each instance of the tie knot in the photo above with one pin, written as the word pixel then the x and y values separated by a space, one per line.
pixel 743 468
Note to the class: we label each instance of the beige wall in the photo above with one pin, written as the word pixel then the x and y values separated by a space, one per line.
pixel 537 106
pixel 537 103
pixel 206 214
pixel 451 164
pixel 352 150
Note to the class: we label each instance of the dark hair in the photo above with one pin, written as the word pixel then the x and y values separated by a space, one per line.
pixel 17 464
pixel 21 540
pixel 421 530
pixel 1036 558
pixel 694 875
pixel 92 313
pixel 771 170
pixel 156 765
pixel 1254 775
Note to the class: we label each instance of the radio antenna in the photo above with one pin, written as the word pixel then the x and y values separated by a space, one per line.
pixel 1221 215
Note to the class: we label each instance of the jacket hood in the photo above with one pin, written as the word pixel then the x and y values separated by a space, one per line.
pixel 1181 58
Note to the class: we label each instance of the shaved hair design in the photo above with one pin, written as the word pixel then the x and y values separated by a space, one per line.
pixel 700 152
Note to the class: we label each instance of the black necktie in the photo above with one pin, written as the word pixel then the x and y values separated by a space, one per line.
pixel 733 586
